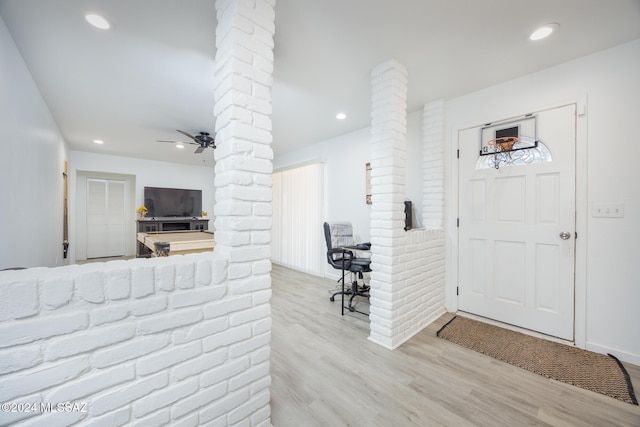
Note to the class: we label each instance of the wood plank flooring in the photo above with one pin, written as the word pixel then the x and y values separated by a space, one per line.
pixel 325 372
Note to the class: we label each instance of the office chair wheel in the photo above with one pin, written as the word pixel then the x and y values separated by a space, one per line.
pixel 352 309
pixel 331 298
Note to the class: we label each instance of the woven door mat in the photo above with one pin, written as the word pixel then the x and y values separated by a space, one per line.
pixel 585 369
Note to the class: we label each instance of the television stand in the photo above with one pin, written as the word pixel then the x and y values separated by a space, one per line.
pixel 169 224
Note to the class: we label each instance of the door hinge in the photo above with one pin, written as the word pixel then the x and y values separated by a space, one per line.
pixel 576 235
pixel 457 222
pixel 457 290
pixel 458 154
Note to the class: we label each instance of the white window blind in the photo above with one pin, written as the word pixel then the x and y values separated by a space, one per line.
pixel 297 239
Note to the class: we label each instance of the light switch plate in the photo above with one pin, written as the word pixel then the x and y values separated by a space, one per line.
pixel 607 210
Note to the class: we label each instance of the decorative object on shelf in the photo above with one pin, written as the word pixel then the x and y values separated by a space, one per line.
pixel 203 214
pixel 142 211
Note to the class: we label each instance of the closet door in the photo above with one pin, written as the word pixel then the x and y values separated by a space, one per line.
pixel 106 233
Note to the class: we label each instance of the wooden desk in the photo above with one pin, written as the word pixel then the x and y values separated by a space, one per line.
pixel 180 242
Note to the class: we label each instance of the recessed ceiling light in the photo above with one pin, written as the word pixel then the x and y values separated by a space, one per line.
pixel 543 31
pixel 341 116
pixel 97 21
pixel 98 141
pixel 179 146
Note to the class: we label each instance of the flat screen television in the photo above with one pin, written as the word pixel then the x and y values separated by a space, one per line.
pixel 172 202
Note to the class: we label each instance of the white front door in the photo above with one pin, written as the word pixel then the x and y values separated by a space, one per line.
pixel 106 231
pixel 517 229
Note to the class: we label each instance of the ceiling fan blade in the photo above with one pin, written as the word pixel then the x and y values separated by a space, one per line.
pixel 199 149
pixel 187 134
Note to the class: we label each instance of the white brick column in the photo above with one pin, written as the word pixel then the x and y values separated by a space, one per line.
pixel 388 177
pixel 433 164
pixel 244 76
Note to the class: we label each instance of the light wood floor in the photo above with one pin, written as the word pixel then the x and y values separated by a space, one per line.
pixel 325 372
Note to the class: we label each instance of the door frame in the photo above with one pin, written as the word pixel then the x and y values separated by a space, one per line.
pixel 78 248
pixel 452 263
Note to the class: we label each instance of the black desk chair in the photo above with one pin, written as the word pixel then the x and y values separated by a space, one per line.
pixel 339 237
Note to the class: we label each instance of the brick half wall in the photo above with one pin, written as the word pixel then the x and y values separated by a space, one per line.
pixel 145 341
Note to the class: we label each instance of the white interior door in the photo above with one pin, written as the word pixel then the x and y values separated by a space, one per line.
pixel 517 230
pixel 106 231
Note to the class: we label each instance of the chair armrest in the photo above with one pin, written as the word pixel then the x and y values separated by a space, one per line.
pixel 341 263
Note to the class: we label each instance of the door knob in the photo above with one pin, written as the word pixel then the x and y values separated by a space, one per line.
pixel 565 235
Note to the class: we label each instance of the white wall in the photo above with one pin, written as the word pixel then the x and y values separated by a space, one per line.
pixel 607 270
pixel 149 173
pixel 345 158
pixel 32 153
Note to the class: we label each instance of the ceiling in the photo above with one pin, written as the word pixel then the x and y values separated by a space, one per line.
pixel 153 72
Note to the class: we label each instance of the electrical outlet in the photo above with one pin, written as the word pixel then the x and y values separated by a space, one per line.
pixel 607 210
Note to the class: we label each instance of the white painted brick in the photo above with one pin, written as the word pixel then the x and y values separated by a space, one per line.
pixel 256 402
pixel 90 286
pixel 169 320
pixel 91 339
pixel 121 397
pixel 54 419
pixel 117 283
pixel 108 314
pixel 26 331
pixel 262 326
pixel 250 285
pixel 112 419
pixel 200 330
pixel 19 298
pixel 142 283
pixel 129 350
pixel 18 358
pixel 185 272
pixel 198 400
pixel 164 277
pixel 262 354
pixel 229 305
pixel 260 385
pixel 158 418
pixel 164 397
pixel 224 405
pixel 197 296
pixel 240 271
pixel 262 267
pixel 249 376
pixel 222 373
pixel 41 377
pixel 148 306
pixel 250 315
pixel 91 383
pixel 202 275
pixel 260 418
pixel 219 271
pixel 247 346
pixel 164 359
pixel 261 297
pixel 192 420
pixel 230 336
pixel 55 292
pixel 198 365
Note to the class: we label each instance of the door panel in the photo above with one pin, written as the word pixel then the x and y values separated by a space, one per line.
pixel 106 229
pixel 513 265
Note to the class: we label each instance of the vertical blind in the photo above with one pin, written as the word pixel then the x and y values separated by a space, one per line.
pixel 298 199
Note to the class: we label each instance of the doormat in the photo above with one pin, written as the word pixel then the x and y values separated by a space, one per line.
pixel 585 369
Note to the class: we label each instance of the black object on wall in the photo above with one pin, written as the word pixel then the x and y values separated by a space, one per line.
pixel 408 218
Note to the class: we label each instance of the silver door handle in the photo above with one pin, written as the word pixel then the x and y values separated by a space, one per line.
pixel 565 235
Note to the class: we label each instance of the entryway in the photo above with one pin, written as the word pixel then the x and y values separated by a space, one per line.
pixel 517 221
